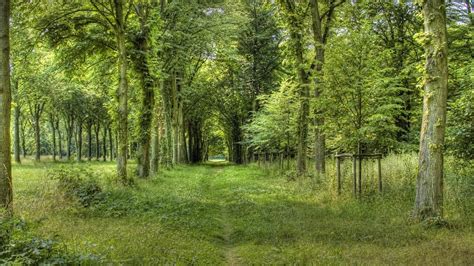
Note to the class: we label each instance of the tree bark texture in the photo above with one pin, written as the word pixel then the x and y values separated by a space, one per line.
pixel 147 102
pixel 296 35
pixel 6 193
pixel 122 93
pixel 429 188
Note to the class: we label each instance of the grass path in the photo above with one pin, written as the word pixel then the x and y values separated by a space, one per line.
pixel 230 254
pixel 218 214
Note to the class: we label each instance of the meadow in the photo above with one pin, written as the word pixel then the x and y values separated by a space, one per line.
pixel 220 213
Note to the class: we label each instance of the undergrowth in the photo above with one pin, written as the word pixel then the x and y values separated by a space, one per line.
pixel 26 248
pixel 259 215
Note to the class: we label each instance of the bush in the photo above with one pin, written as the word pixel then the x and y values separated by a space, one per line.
pixel 23 248
pixel 77 184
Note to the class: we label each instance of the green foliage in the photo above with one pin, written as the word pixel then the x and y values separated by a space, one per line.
pixel 460 121
pixel 258 43
pixel 460 131
pixel 359 92
pixel 78 184
pixel 273 129
pixel 26 249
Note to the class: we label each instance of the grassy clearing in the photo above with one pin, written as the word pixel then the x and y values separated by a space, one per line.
pixel 225 214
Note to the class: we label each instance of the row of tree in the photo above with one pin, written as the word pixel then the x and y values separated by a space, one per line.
pixel 171 81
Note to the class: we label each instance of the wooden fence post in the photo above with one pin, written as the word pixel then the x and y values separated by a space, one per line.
pixel 360 175
pixel 379 166
pixel 338 172
pixel 354 173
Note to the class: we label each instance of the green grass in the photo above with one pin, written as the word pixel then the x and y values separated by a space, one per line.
pixel 219 213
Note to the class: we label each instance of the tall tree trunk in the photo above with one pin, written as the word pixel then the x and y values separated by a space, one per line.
pixel 23 140
pixel 156 138
pixel 97 141
pixel 79 141
pixel 111 144
pixel 175 115
pixel 296 35
pixel 6 193
pixel 148 101
pixel 320 141
pixel 69 133
pixel 53 134
pixel 167 146
pixel 116 144
pixel 17 133
pixel 183 144
pixel 181 132
pixel 104 144
pixel 60 140
pixel 429 187
pixel 320 36
pixel 89 140
pixel 37 129
pixel 122 117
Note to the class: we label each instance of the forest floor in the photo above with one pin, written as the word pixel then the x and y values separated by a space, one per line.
pixel 219 213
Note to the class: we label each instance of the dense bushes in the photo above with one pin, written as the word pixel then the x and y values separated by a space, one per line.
pixel 77 184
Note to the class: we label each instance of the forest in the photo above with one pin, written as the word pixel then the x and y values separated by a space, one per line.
pixel 236 132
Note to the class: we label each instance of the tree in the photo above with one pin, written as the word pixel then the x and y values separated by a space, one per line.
pixel 294 17
pixel 321 25
pixel 395 24
pixel 258 45
pixel 6 193
pixel 360 94
pixel 273 129
pixel 95 26
pixel 429 188
pixel 141 42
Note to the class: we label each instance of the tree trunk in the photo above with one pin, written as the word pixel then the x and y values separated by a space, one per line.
pixel 104 145
pixel 6 193
pixel 429 188
pixel 320 39
pixel 37 129
pixel 79 141
pixel 296 36
pixel 69 133
pixel 122 117
pixel 23 142
pixel 235 142
pixel 89 141
pixel 53 135
pixel 60 140
pixel 97 141
pixel 148 101
pixel 156 138
pixel 167 150
pixel 17 134
pixel 181 132
pixel 111 144
pixel 175 116
pixel 302 129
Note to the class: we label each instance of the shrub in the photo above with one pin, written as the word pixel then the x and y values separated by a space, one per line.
pixel 23 248
pixel 77 184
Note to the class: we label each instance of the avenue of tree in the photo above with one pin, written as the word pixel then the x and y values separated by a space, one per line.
pixel 166 82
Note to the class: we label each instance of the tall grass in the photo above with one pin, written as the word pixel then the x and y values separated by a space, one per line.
pixel 399 172
pixel 219 213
